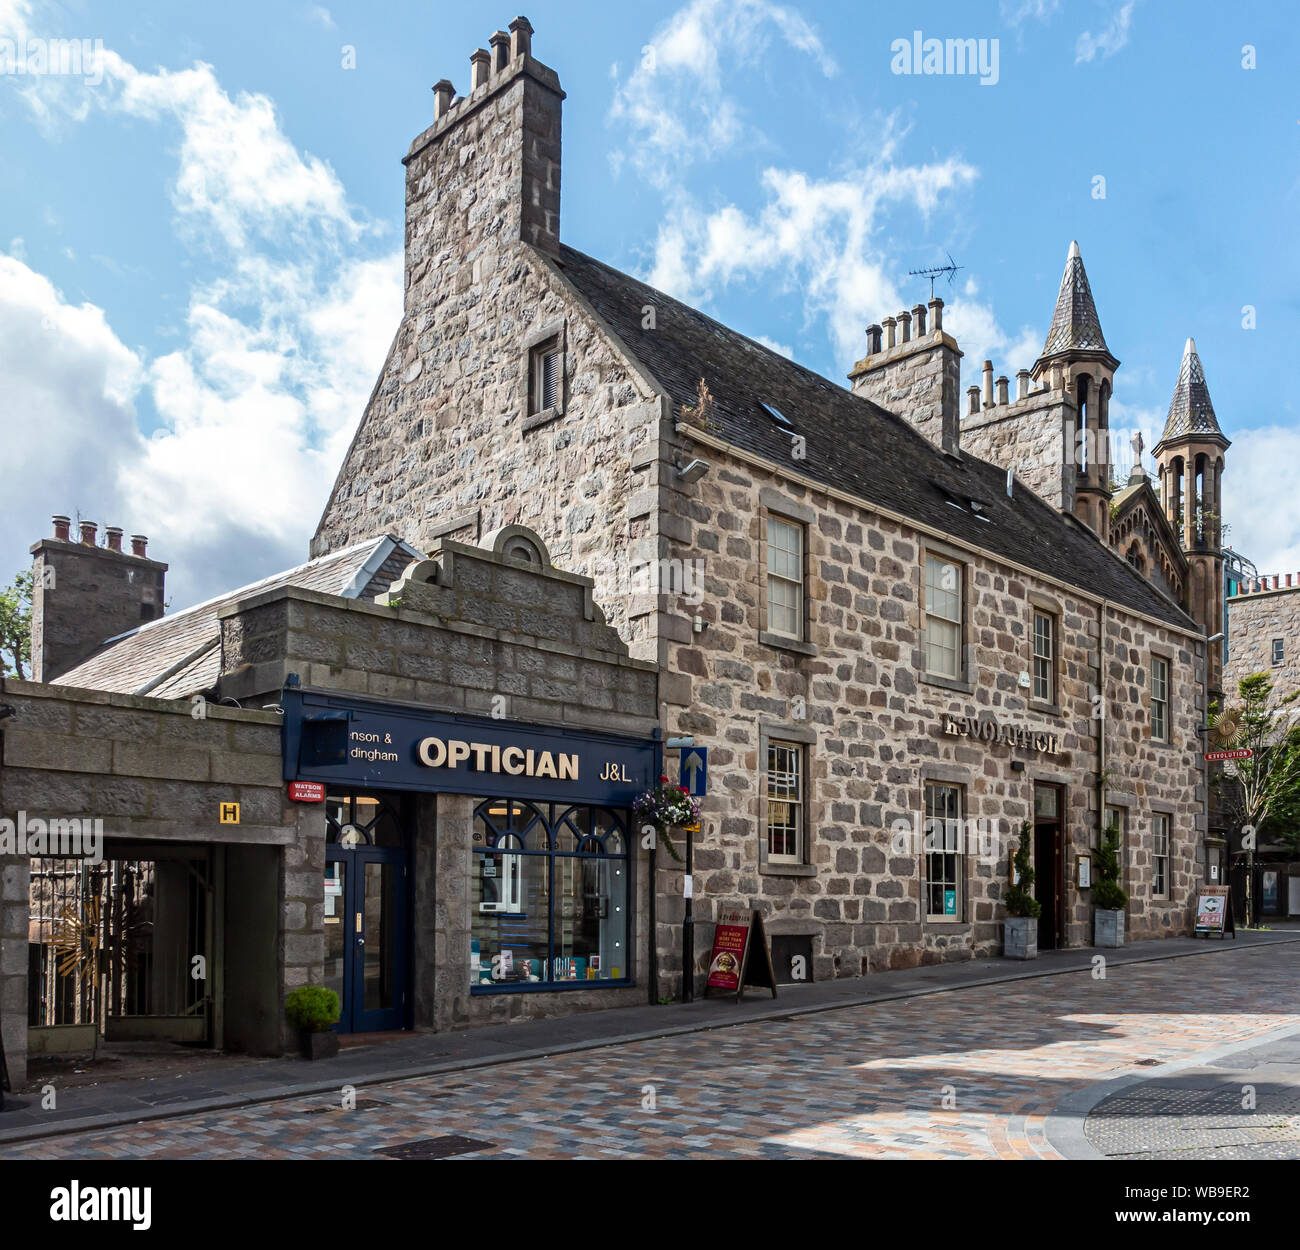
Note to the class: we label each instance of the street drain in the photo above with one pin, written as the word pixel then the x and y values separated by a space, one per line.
pixel 435 1148
pixel 1149 1063
pixel 362 1104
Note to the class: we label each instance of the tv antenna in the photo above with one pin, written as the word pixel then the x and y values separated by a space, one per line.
pixel 936 270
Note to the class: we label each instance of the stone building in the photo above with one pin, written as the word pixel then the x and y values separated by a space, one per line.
pixel 869 627
pixel 1264 631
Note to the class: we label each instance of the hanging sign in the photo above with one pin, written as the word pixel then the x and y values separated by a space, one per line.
pixel 740 955
pixel 1214 911
pixel 1242 753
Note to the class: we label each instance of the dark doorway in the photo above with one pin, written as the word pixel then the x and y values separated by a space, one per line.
pixel 1049 857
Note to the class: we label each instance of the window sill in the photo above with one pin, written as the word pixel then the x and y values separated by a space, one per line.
pixel 946 683
pixel 787 870
pixel 947 922
pixel 787 644
pixel 535 420
pixel 1046 709
pixel 548 987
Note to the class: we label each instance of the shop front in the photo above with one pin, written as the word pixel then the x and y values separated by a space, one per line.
pixel 469 858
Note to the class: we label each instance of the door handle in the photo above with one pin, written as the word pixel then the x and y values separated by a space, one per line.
pixel 361 941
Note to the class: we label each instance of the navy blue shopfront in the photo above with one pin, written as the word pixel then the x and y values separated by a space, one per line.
pixel 551 858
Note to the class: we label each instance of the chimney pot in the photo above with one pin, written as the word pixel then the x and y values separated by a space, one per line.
pixel 1002 384
pixel 61 526
pixel 443 93
pixel 113 537
pixel 918 319
pixel 936 315
pixel 905 322
pixel 873 339
pixel 499 41
pixel 974 394
pixel 138 544
pixel 480 67
pixel 521 38
pixel 889 323
pixel 988 384
pixel 88 529
pixel 1022 383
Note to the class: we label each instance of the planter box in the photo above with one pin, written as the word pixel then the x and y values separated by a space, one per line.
pixel 1107 927
pixel 1020 937
pixel 319 1045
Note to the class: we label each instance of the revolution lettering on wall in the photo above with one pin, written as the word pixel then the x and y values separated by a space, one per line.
pixel 988 730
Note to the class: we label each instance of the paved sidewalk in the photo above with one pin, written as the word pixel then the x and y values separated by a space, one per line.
pixel 240 1084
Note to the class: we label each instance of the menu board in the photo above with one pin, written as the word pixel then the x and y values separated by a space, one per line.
pixel 740 955
pixel 1214 911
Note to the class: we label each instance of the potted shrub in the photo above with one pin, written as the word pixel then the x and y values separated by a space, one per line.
pixel 1020 928
pixel 313 1011
pixel 665 807
pixel 1108 896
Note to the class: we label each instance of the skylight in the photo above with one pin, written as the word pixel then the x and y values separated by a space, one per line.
pixel 776 414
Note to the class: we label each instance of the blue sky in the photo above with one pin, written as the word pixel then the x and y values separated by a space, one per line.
pixel 200 255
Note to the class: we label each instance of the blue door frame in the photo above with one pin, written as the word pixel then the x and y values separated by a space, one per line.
pixel 390 960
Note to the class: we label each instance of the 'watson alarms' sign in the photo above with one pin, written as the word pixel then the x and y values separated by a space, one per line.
pixel 365 743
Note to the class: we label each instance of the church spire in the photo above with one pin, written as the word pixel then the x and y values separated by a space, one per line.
pixel 1190 410
pixel 1075 325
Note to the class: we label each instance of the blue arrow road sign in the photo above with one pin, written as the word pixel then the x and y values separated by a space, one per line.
pixel 695 770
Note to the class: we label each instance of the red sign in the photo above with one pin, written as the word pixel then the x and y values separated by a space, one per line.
pixel 307 791
pixel 1242 753
pixel 728 959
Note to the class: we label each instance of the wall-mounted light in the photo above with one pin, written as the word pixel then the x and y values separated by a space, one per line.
pixel 693 471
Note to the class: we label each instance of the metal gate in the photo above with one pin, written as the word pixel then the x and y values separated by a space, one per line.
pixel 119 950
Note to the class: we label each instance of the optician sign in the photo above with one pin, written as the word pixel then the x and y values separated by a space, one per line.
pixel 367 743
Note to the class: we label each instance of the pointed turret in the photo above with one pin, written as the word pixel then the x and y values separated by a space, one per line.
pixel 1075 328
pixel 1190 410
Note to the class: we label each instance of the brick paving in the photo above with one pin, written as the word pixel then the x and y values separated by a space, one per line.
pixel 969 1073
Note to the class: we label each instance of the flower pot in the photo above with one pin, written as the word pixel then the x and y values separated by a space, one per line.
pixel 319 1045
pixel 1107 927
pixel 1020 937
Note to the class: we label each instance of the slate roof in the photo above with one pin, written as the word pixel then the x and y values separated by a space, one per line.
pixel 852 443
pixel 1075 324
pixel 1190 410
pixel 180 654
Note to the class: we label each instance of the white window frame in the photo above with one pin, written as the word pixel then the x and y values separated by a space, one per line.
pixel 775 525
pixel 1160 826
pixel 1048 660
pixel 1278 652
pixel 943 837
pixel 1160 698
pixel 794 804
pixel 544 356
pixel 950 625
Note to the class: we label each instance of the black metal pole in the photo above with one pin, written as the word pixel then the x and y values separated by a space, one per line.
pixel 653 978
pixel 688 926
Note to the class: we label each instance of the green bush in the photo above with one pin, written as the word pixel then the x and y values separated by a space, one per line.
pixel 1108 894
pixel 312 1007
pixel 1019 900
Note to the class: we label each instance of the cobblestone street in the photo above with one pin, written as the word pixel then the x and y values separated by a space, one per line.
pixel 968 1073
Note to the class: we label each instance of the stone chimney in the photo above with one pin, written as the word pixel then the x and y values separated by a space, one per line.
pixel 915 373
pixel 487 172
pixel 84 594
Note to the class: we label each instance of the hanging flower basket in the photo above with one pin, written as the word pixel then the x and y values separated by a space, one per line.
pixel 666 807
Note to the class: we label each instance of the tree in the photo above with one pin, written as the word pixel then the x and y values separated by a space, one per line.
pixel 1261 793
pixel 16 626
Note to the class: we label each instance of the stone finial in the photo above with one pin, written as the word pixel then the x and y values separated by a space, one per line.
pixel 1002 384
pixel 138 544
pixel 88 529
pixel 113 537
pixel 973 394
pixel 988 384
pixel 480 68
pixel 936 315
pixel 874 333
pixel 443 94
pixel 918 320
pixel 61 527
pixel 521 38
pixel 499 42
pixel 889 323
pixel 905 323
pixel 1022 383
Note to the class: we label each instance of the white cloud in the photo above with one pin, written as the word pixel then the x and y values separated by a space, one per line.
pixel 1016 12
pixel 675 103
pixel 1109 40
pixel 781 349
pixel 322 17
pixel 1259 497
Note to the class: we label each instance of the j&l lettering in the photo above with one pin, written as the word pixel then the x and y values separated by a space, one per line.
pixel 615 772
